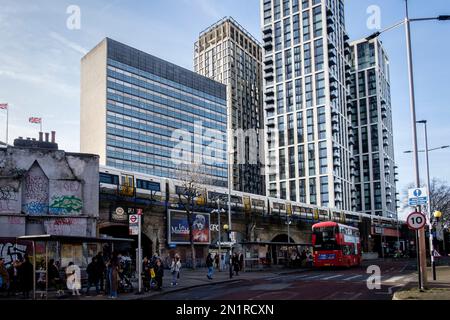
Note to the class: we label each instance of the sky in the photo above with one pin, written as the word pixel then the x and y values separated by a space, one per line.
pixel 40 57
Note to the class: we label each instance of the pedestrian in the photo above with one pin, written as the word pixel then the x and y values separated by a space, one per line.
pixel 241 261
pixel 210 266
pixel 222 262
pixel 4 277
pixel 113 277
pixel 13 272
pixel 101 269
pixel 235 263
pixel 93 276
pixel 159 274
pixel 73 274
pixel 216 261
pixel 26 277
pixel 146 274
pixel 54 279
pixel 175 270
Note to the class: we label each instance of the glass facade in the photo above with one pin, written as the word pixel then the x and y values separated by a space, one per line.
pixel 159 115
pixel 307 49
pixel 375 176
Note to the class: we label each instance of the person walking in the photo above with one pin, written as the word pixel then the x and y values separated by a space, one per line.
pixel 159 274
pixel 216 261
pixel 93 276
pixel 101 270
pixel 73 282
pixel 4 277
pixel 113 276
pixel 26 277
pixel 235 263
pixel 146 274
pixel 210 266
pixel 13 272
pixel 54 279
pixel 175 270
pixel 241 261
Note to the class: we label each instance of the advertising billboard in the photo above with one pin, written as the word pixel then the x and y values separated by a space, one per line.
pixel 178 232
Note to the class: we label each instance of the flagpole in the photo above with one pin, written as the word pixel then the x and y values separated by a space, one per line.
pixel 7 123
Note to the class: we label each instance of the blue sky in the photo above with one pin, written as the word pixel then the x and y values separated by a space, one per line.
pixel 40 59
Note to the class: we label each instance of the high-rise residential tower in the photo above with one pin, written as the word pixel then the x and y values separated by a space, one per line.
pixel 375 168
pixel 144 114
pixel 227 53
pixel 308 144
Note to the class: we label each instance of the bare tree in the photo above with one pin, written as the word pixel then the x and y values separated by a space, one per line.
pixel 192 178
pixel 440 198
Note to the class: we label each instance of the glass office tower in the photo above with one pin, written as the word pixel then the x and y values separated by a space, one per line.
pixel 144 114
pixel 375 170
pixel 308 146
pixel 227 53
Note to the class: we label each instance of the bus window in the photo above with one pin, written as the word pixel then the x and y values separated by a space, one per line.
pixel 325 239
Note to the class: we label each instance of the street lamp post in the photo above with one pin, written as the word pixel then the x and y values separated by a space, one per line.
pixel 430 226
pixel 219 212
pixel 420 236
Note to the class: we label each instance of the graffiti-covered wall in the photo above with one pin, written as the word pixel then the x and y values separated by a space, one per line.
pixel 47 192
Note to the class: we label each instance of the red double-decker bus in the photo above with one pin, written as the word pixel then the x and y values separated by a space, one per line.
pixel 336 245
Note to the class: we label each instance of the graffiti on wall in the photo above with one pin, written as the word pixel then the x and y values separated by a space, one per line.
pixel 11 252
pixel 65 205
pixel 66 197
pixel 35 191
pixel 66 227
pixel 8 199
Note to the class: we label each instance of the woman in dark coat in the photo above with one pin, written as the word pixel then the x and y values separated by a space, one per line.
pixel 159 274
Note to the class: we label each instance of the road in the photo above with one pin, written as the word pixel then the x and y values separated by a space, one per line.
pixel 330 284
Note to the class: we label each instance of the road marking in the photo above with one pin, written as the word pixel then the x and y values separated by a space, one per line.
pixel 333 277
pixel 395 279
pixel 314 277
pixel 354 277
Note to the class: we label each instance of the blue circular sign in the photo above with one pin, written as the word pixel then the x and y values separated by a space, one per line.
pixel 417 193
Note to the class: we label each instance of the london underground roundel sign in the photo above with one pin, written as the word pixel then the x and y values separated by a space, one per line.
pixel 416 220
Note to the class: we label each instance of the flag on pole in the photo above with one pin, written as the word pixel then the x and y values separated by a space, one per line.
pixel 35 120
pixel 4 106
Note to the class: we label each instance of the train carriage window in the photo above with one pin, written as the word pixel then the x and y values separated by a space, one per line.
pixel 109 178
pixel 148 185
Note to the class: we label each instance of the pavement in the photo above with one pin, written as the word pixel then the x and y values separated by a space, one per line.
pixel 438 289
pixel 189 279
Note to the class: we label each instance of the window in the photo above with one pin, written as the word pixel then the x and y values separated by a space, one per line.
pixel 291 130
pixel 300 134
pixel 296 28
pixel 306 26
pixel 298 94
pixel 311 159
pixel 374 137
pixel 287 33
pixel 278 36
pixel 302 191
pixel 283 190
pixel 322 123
pixel 310 124
pixel 281 128
pixel 280 99
pixel 292 191
pixel 318 54
pixel 323 156
pixel 301 161
pixel 288 64
pixel 312 191
pixel 320 88
pixel 282 164
pixel 297 62
pixel 307 58
pixel 362 84
pixel 292 163
pixel 324 195
pixel 317 21
pixel 308 92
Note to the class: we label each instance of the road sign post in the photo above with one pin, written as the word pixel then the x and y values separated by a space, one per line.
pixel 417 221
pixel 139 211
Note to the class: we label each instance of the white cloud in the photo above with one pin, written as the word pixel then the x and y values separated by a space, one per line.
pixel 68 43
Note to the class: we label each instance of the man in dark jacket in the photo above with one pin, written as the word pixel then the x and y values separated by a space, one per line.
pixel 210 266
pixel 101 269
pixel 93 276
pixel 26 277
pixel 159 274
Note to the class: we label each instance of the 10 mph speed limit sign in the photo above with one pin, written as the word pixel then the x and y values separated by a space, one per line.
pixel 416 221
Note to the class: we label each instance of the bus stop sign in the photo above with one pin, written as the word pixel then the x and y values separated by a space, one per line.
pixel 416 221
